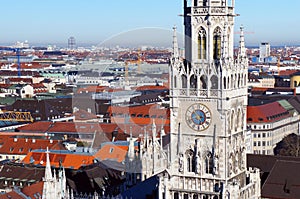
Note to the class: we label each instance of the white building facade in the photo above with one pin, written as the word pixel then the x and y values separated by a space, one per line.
pixel 264 51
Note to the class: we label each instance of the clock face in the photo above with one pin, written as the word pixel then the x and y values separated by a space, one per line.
pixel 198 117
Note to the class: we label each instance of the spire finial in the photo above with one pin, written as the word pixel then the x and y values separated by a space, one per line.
pixel 242 48
pixel 175 43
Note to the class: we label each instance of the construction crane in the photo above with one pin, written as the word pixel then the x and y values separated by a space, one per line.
pixel 12 116
pixel 17 51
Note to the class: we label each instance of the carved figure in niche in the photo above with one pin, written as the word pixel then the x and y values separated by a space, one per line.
pixel 230 165
pixel 181 162
pixel 243 164
pixel 198 164
pixel 216 165
pixel 236 162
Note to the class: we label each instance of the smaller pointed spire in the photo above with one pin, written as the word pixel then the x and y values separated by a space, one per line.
pixel 175 44
pixel 153 130
pixel 242 48
pixel 48 173
pixel 131 147
pixel 225 42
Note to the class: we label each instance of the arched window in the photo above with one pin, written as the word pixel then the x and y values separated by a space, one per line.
pixel 224 86
pixel 203 80
pixel 209 162
pixel 195 2
pixel 202 40
pixel 232 120
pixel 217 43
pixel 228 82
pixel 184 81
pixel 193 81
pixel 189 161
pixel 214 82
pixel 239 119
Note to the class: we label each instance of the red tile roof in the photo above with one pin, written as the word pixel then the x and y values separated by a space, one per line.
pixel 33 189
pixel 266 113
pixel 142 88
pixel 12 195
pixel 66 159
pixel 149 110
pixel 29 191
pixel 112 152
pixel 84 115
pixel 19 80
pixel 288 72
pixel 22 146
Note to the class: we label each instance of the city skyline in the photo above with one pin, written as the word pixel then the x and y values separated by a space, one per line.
pixel 97 22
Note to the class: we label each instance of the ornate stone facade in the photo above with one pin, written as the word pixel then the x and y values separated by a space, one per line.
pixel 206 157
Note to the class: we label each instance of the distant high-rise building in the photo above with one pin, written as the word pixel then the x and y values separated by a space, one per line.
pixel 71 43
pixel 265 49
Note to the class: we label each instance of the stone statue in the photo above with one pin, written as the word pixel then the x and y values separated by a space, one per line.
pixel 181 162
pixel 216 164
pixel 198 164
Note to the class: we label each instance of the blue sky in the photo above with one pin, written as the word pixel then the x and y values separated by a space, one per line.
pixel 93 21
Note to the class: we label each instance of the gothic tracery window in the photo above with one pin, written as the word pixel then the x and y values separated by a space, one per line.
pixel 209 163
pixel 193 82
pixel 217 43
pixel 189 162
pixel 214 82
pixel 203 80
pixel 202 40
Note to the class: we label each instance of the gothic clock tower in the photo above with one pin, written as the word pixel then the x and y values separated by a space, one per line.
pixel 208 92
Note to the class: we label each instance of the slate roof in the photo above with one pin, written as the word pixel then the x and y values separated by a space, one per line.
pixel 280 177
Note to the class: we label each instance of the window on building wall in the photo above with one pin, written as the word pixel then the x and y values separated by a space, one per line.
pixel 176 195
pixel 263 143
pixel 203 80
pixel 202 42
pixel 254 143
pixel 258 143
pixel 214 82
pixel 193 81
pixel 217 43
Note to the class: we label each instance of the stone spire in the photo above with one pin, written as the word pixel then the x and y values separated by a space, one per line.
pixel 242 48
pixel 131 147
pixel 153 127
pixel 175 44
pixel 48 173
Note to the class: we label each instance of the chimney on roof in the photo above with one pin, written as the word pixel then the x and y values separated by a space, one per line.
pixel 33 140
pixel 26 140
pixel 51 141
pixel 15 139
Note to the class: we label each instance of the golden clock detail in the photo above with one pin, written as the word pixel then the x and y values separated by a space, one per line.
pixel 198 117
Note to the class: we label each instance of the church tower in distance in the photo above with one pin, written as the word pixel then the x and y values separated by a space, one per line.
pixel 208 99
